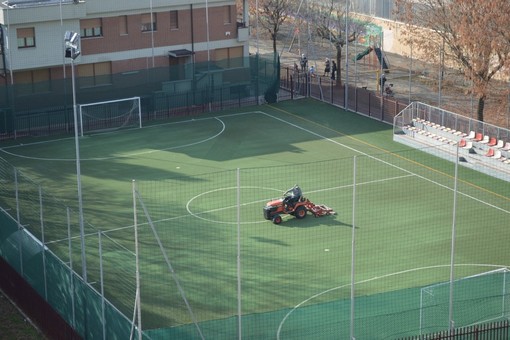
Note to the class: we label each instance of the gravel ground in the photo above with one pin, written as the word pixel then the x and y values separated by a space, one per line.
pixel 415 80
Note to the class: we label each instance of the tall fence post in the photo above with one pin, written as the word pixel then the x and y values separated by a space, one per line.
pixel 71 273
pixel 353 251
pixel 239 295
pixel 332 85
pixel 452 254
pixel 41 220
pixel 137 265
pixel 101 282
pixel 18 219
pixel 291 87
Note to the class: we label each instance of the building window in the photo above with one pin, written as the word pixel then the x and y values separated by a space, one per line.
pixel 174 20
pixel 26 37
pixel 32 81
pixel 148 22
pixel 227 15
pixel 229 57
pixel 91 28
pixel 97 74
pixel 123 27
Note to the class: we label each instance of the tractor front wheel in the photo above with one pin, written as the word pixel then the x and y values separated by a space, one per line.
pixel 277 219
pixel 300 212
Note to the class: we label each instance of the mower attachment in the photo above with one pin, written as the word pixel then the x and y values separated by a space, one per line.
pixel 319 210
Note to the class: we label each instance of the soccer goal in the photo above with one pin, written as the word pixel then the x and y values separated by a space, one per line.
pixel 476 299
pixel 110 115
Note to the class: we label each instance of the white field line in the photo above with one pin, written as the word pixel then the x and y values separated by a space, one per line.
pixel 120 156
pixel 384 162
pixel 230 207
pixel 326 139
pixel 377 278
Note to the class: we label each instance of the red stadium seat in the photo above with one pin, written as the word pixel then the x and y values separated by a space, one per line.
pixel 492 141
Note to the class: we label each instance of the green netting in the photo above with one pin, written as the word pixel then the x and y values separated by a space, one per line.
pixel 212 266
pixel 53 274
pixel 48 107
pixel 477 299
pixel 9 244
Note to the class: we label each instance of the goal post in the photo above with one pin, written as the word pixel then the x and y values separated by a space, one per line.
pixel 110 115
pixel 478 298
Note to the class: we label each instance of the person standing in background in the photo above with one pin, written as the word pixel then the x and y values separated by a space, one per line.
pixel 304 62
pixel 333 70
pixel 327 67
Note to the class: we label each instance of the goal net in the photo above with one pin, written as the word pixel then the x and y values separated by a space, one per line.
pixel 110 115
pixel 476 299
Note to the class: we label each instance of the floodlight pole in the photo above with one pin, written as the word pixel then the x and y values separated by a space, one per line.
pixel 74 53
pixel 346 83
pixel 78 176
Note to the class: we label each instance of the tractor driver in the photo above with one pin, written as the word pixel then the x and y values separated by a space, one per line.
pixel 292 196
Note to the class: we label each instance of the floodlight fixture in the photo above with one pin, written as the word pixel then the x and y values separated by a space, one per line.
pixel 72 53
pixel 71 37
pixel 71 40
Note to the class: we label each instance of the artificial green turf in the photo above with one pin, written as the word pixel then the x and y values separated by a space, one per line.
pixel 187 173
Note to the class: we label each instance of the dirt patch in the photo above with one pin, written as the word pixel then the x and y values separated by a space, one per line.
pixel 413 80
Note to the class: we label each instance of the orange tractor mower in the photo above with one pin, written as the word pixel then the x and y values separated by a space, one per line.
pixel 293 203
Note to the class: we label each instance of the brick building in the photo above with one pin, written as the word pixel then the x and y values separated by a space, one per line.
pixel 116 36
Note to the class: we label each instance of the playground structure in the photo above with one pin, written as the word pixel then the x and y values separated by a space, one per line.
pixel 367 51
pixel 383 65
pixel 381 57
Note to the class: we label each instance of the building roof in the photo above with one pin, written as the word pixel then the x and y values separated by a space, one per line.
pixel 33 3
pixel 180 53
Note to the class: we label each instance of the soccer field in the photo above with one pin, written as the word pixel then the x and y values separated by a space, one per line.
pixel 207 255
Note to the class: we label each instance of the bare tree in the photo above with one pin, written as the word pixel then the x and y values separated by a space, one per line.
pixel 272 14
pixel 473 35
pixel 330 21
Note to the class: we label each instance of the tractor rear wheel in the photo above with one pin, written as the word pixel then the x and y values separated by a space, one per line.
pixel 277 219
pixel 300 212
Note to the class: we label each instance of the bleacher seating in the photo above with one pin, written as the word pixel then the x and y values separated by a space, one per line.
pixel 497 154
pixel 475 142
pixel 478 137
pixel 469 145
pixel 485 140
pixel 487 151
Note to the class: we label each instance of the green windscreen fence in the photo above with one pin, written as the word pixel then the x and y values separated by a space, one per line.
pixel 47 107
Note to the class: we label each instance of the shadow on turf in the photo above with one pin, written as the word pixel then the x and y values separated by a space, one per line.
pixel 271 241
pixel 311 222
